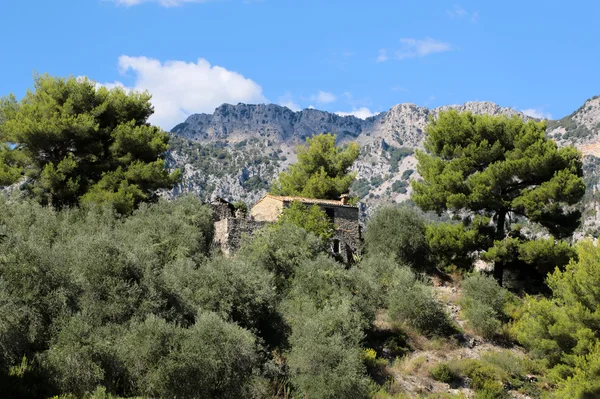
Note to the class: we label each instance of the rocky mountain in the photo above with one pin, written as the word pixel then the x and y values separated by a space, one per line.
pixel 236 152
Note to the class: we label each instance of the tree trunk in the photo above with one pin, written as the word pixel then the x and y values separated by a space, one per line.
pixel 499 266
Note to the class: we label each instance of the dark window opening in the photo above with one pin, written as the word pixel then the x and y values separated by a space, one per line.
pixel 330 212
pixel 336 246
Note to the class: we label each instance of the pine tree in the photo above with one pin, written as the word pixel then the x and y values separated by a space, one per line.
pixel 508 173
pixel 322 170
pixel 78 143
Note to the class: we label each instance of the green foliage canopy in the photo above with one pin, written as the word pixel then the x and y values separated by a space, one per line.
pixel 310 218
pixel 77 143
pixel 322 170
pixel 412 301
pixel 503 169
pixel 327 320
pixel 399 231
pixel 281 249
pixel 484 303
pixel 565 330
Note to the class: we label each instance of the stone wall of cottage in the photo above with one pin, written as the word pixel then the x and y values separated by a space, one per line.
pixel 267 210
pixel 347 232
pixel 230 233
pixel 221 210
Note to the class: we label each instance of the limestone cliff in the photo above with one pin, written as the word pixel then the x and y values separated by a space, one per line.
pixel 237 151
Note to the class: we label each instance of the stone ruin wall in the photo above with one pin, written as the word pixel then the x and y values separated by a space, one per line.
pixel 347 231
pixel 230 232
pixel 221 211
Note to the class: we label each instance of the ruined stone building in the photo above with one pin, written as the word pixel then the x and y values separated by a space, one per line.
pixel 347 237
pixel 230 228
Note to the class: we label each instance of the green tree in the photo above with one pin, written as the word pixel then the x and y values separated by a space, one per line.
pixel 322 170
pixel 281 249
pixel 502 169
pixel 412 301
pixel 78 143
pixel 211 359
pixel 311 218
pixel 399 231
pixel 483 303
pixel 328 308
pixel 564 330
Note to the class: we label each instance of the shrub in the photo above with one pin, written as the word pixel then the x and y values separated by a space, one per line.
pixel 281 249
pixel 479 373
pixel 211 359
pixel 483 319
pixel 325 358
pixel 381 272
pixel 444 373
pixel 89 350
pixel 324 281
pixel 237 290
pixel 328 307
pixel 399 231
pixel 413 302
pixel 483 304
pixel 399 186
pixel 370 360
pixel 407 174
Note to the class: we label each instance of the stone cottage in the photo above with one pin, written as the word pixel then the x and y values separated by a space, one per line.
pixel 230 227
pixel 345 218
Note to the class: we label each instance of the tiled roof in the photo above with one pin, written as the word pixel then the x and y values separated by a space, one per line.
pixel 307 200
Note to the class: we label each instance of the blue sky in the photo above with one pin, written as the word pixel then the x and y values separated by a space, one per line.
pixel 338 55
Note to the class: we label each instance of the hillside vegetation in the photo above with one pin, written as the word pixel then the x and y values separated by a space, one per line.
pixel 480 293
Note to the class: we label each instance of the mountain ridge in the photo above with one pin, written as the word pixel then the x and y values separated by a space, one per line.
pixel 237 151
pixel 246 132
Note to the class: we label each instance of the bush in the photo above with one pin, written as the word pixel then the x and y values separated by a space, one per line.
pixel 325 360
pixel 444 373
pixel 398 231
pixel 483 319
pixel 280 249
pixel 211 359
pixel 482 376
pixel 413 302
pixel 328 307
pixel 80 347
pixel 237 290
pixel 324 281
pixel 399 186
pixel 483 304
pixel 562 330
pixel 380 271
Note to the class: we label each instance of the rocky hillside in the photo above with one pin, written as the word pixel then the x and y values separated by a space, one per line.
pixel 236 151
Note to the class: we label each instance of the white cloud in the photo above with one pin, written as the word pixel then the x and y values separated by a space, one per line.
pixel 180 88
pixel 537 113
pixel 420 48
pixel 287 101
pixel 458 12
pixel 291 105
pixel 383 55
pixel 411 48
pixel 361 113
pixel 323 97
pixel 164 3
